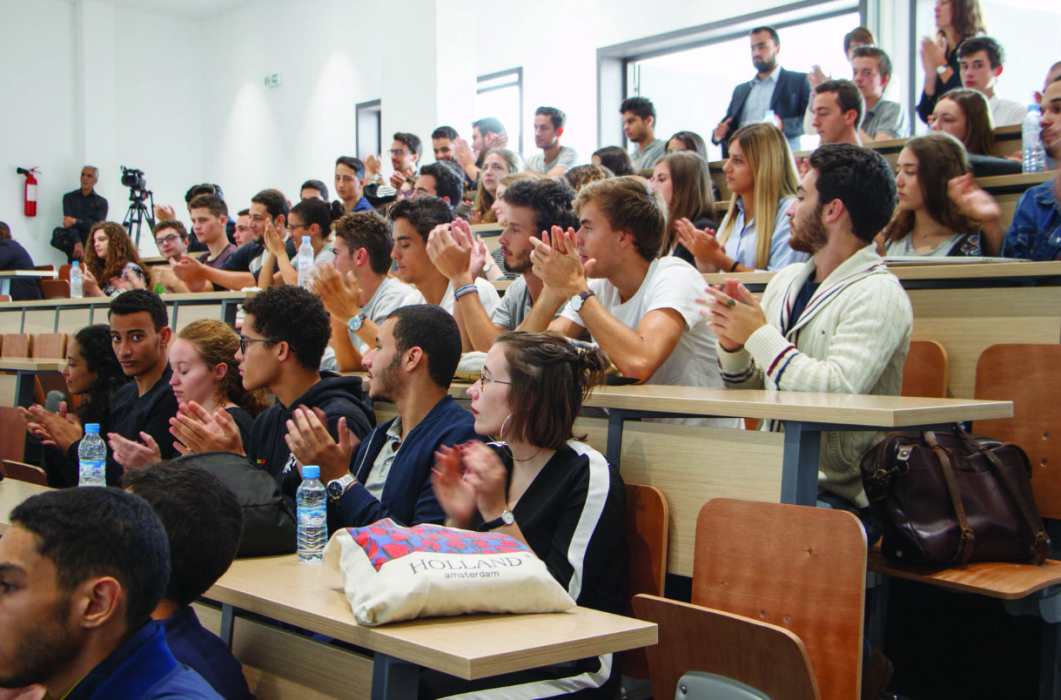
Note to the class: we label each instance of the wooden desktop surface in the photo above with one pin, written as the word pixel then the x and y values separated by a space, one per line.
pixel 43 365
pixel 942 271
pixel 38 274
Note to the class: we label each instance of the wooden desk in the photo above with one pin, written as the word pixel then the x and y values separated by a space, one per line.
pixel 11 494
pixel 7 275
pixel 22 372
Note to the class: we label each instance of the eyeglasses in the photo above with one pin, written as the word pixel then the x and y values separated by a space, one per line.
pixel 243 340
pixel 294 227
pixel 168 240
pixel 398 152
pixel 484 380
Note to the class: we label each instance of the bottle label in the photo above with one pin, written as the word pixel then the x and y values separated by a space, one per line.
pixel 93 473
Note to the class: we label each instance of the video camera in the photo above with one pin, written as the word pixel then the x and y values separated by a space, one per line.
pixel 133 179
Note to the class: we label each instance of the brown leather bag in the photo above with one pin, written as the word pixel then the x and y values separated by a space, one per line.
pixel 953 498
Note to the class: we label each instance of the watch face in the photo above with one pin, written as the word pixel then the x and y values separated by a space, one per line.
pixel 335 489
pixel 576 303
pixel 508 517
pixel 356 322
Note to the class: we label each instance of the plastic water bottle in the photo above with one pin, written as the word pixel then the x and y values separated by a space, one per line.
pixel 768 118
pixel 1034 153
pixel 305 264
pixel 77 290
pixel 312 516
pixel 92 456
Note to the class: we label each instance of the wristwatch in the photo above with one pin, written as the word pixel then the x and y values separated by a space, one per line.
pixel 337 487
pixel 507 518
pixel 942 69
pixel 489 263
pixel 355 323
pixel 579 299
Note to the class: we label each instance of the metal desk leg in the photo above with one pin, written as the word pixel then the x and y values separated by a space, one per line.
pixel 228 620
pixel 877 608
pixel 394 679
pixel 24 388
pixel 615 436
pixel 802 457
pixel 1050 662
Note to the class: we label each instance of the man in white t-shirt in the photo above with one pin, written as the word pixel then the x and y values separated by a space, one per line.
pixel 980 59
pixel 554 160
pixel 413 220
pixel 640 308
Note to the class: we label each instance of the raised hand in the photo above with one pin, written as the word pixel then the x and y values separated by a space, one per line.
pixel 489 477
pixel 131 454
pixel 199 431
pixel 732 319
pixel 463 154
pixel 457 496
pixel 701 243
pixel 373 164
pixel 342 299
pixel 311 443
pixel 559 265
pixel 450 250
pixel 164 211
pixel 722 128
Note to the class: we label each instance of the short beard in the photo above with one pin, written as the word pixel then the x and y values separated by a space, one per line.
pixel 809 236
pixel 383 386
pixel 765 66
pixel 44 651
pixel 518 267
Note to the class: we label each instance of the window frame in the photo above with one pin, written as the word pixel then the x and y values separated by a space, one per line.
pixel 517 82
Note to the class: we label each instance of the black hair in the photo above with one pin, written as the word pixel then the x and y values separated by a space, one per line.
pixel 884 62
pixel 315 185
pixel 295 316
pixel 448 183
pixel 196 190
pixel 168 224
pixel 556 116
pixel 91 532
pixel 422 213
pixel 275 202
pixel 641 106
pixel 445 132
pixel 862 180
pixel 94 344
pixel 368 230
pixel 137 300
pixel 354 164
pixel 770 30
pixel 5 232
pixel 315 211
pixel 549 199
pixel 203 521
pixel 434 330
pixel 244 212
pixel 995 53
pixel 412 141
pixel 616 159
pixel 489 125
pixel 848 97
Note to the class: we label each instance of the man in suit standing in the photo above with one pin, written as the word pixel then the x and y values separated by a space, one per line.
pixel 786 93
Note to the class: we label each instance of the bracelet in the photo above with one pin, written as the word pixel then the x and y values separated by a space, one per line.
pixel 734 268
pixel 466 289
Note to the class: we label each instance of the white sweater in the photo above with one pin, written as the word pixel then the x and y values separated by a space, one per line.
pixel 852 338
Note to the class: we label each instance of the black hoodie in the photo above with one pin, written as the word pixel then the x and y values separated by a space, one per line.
pixel 337 396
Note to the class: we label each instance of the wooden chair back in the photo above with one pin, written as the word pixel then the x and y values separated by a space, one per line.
pixel 692 638
pixel 5 297
pixel 49 346
pixel 16 345
pixel 925 371
pixel 44 268
pixel 13 429
pixel 23 472
pixel 647 525
pixel 801 569
pixel 55 289
pixel 1029 375
pixel 64 272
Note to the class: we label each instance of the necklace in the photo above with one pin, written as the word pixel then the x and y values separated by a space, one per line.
pixel 514 459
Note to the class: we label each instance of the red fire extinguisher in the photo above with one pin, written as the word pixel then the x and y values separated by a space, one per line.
pixel 30 197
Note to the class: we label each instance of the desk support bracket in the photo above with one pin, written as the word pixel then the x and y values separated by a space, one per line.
pixel 228 621
pixel 802 455
pixel 394 679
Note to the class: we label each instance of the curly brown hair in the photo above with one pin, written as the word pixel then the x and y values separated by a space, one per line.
pixel 217 343
pixel 120 252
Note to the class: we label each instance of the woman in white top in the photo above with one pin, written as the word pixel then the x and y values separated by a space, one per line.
pixel 761 174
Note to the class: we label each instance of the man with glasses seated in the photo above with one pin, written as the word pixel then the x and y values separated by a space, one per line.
pixel 405 154
pixel 172 240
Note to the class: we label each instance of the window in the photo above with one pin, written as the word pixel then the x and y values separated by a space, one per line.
pixel 500 95
pixel 369 138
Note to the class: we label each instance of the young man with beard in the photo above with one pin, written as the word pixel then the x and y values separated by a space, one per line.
pixel 534 206
pixel 554 159
pixel 639 125
pixel 411 366
pixel 838 323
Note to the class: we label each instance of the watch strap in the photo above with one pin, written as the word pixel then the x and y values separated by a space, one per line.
pixel 507 518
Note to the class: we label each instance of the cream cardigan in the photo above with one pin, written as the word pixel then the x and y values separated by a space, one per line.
pixel 852 338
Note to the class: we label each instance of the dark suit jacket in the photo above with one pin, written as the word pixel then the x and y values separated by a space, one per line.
pixel 790 100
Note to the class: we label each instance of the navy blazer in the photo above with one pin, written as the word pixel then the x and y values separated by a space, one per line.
pixel 790 100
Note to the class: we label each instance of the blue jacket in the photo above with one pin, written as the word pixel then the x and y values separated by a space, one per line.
pixel 143 669
pixel 1036 229
pixel 789 102
pixel 203 651
pixel 408 498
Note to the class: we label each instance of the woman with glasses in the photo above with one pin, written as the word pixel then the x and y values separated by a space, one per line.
pixel 542 486
pixel 205 371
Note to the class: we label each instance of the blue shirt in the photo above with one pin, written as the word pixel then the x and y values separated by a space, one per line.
pixel 741 244
pixel 364 205
pixel 762 93
pixel 203 651
pixel 1036 229
pixel 142 669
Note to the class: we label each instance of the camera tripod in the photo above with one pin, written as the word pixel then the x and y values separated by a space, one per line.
pixel 139 212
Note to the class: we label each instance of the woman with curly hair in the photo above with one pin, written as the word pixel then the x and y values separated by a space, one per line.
pixel 111 260
pixel 205 371
pixel 497 163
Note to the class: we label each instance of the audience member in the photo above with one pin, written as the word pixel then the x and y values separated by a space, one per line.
pixel 92 371
pixel 171 239
pixel 407 189
pixel 1035 232
pixel 839 323
pixel 615 159
pixel 487 134
pixel 440 180
pixel 610 280
pixel 686 141
pixel 531 207
pixel 112 261
pixel 883 119
pixel 980 60
pixel 684 181
pixel 405 157
pixel 282 342
pixel 442 143
pixel 209 223
pixel 204 523
pixel 497 270
pixel 581 175
pixel 964 114
pixel 411 366
pixel 87 568
pixel 163 211
pixel 243 234
pixel 859 36
pixel 544 487
pixel 496 164
pixel 639 125
pixel 82 209
pixel 204 370
pixel 554 160
pixel 309 218
pixel 755 233
pixel 774 89
pixel 838 108
pixel 927 221
pixel 313 189
pixel 14 257
pixel 357 292
pixel 956 21
pixel 349 187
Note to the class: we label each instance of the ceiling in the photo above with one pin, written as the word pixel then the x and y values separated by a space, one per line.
pixel 184 9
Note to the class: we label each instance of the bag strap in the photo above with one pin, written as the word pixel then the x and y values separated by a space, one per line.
pixel 967 541
pixel 1042 540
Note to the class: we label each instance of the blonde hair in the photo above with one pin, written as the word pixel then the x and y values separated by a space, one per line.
pixel 484 200
pixel 768 155
pixel 217 343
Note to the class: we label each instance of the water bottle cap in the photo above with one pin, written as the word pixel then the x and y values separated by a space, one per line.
pixel 1034 108
pixel 311 472
pixel 73 264
pixel 92 428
